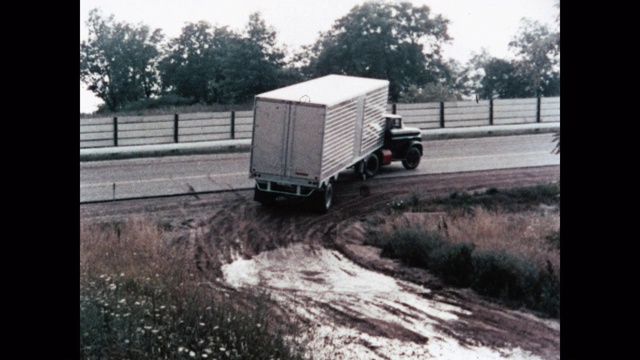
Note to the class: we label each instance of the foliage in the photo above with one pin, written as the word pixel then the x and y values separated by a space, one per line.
pixel 412 245
pixel 511 278
pixel 252 64
pixel 497 78
pixel 533 72
pixel 498 256
pixel 217 65
pixel 191 66
pixel 453 263
pixel 500 275
pixel 119 61
pixel 122 318
pixel 166 101
pixel 538 58
pixel 142 298
pixel 429 93
pixel 516 279
pixel 398 42
pixel 514 199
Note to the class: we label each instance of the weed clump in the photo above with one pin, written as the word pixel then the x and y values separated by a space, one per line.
pixel 497 243
pixel 513 279
pixel 142 299
pixel 453 263
pixel 412 245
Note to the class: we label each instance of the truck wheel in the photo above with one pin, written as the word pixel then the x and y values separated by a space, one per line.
pixel 371 165
pixel 412 159
pixel 263 197
pixel 324 198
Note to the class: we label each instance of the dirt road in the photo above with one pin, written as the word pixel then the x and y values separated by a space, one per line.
pixel 356 305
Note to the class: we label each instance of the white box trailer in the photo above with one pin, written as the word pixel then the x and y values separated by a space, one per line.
pixel 305 134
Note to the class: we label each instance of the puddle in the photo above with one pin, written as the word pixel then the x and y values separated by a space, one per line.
pixel 357 313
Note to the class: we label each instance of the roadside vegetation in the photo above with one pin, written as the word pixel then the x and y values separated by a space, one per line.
pixel 131 67
pixel 503 244
pixel 142 298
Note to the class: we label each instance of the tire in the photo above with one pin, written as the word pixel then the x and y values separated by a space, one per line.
pixel 371 165
pixel 263 197
pixel 412 159
pixel 324 198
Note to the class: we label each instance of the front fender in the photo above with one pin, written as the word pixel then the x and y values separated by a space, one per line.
pixel 418 144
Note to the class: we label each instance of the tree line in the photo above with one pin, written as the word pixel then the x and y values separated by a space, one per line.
pixel 125 64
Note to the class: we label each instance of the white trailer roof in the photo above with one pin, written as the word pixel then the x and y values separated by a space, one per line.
pixel 327 90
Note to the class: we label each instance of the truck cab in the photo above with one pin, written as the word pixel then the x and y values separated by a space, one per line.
pixel 404 143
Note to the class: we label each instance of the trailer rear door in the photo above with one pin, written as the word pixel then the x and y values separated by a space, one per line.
pixel 287 139
pixel 306 127
pixel 269 133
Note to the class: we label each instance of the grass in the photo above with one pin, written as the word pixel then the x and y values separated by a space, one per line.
pixel 501 243
pixel 142 298
pixel 510 200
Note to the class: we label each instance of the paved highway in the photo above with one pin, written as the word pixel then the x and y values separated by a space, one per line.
pixel 120 179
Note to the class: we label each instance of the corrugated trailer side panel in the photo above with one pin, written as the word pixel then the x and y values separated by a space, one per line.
pixel 373 122
pixel 339 137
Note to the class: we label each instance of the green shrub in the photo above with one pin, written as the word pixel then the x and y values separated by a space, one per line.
pixel 412 245
pixel 549 299
pixel 495 274
pixel 453 263
pixel 516 280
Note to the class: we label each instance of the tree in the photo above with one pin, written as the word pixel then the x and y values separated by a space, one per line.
pixel 118 62
pixel 252 64
pixel 398 42
pixel 429 93
pixel 538 58
pixel 193 64
pixel 499 78
pixel 210 64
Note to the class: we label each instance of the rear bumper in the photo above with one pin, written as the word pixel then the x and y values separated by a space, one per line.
pixel 285 188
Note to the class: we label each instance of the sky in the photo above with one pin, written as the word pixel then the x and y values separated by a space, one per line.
pixel 474 24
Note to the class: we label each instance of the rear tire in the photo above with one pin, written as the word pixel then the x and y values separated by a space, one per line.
pixel 323 199
pixel 412 159
pixel 371 165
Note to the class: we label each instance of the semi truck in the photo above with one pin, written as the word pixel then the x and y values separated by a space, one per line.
pixel 306 134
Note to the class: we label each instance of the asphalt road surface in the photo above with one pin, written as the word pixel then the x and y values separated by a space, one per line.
pixel 132 178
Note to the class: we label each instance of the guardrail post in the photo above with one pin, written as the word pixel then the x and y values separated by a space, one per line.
pixel 538 110
pixel 233 125
pixel 115 131
pixel 175 128
pixel 490 111
pixel 393 108
pixel 441 114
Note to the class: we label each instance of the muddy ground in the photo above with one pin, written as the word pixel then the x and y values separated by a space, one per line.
pixel 354 304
